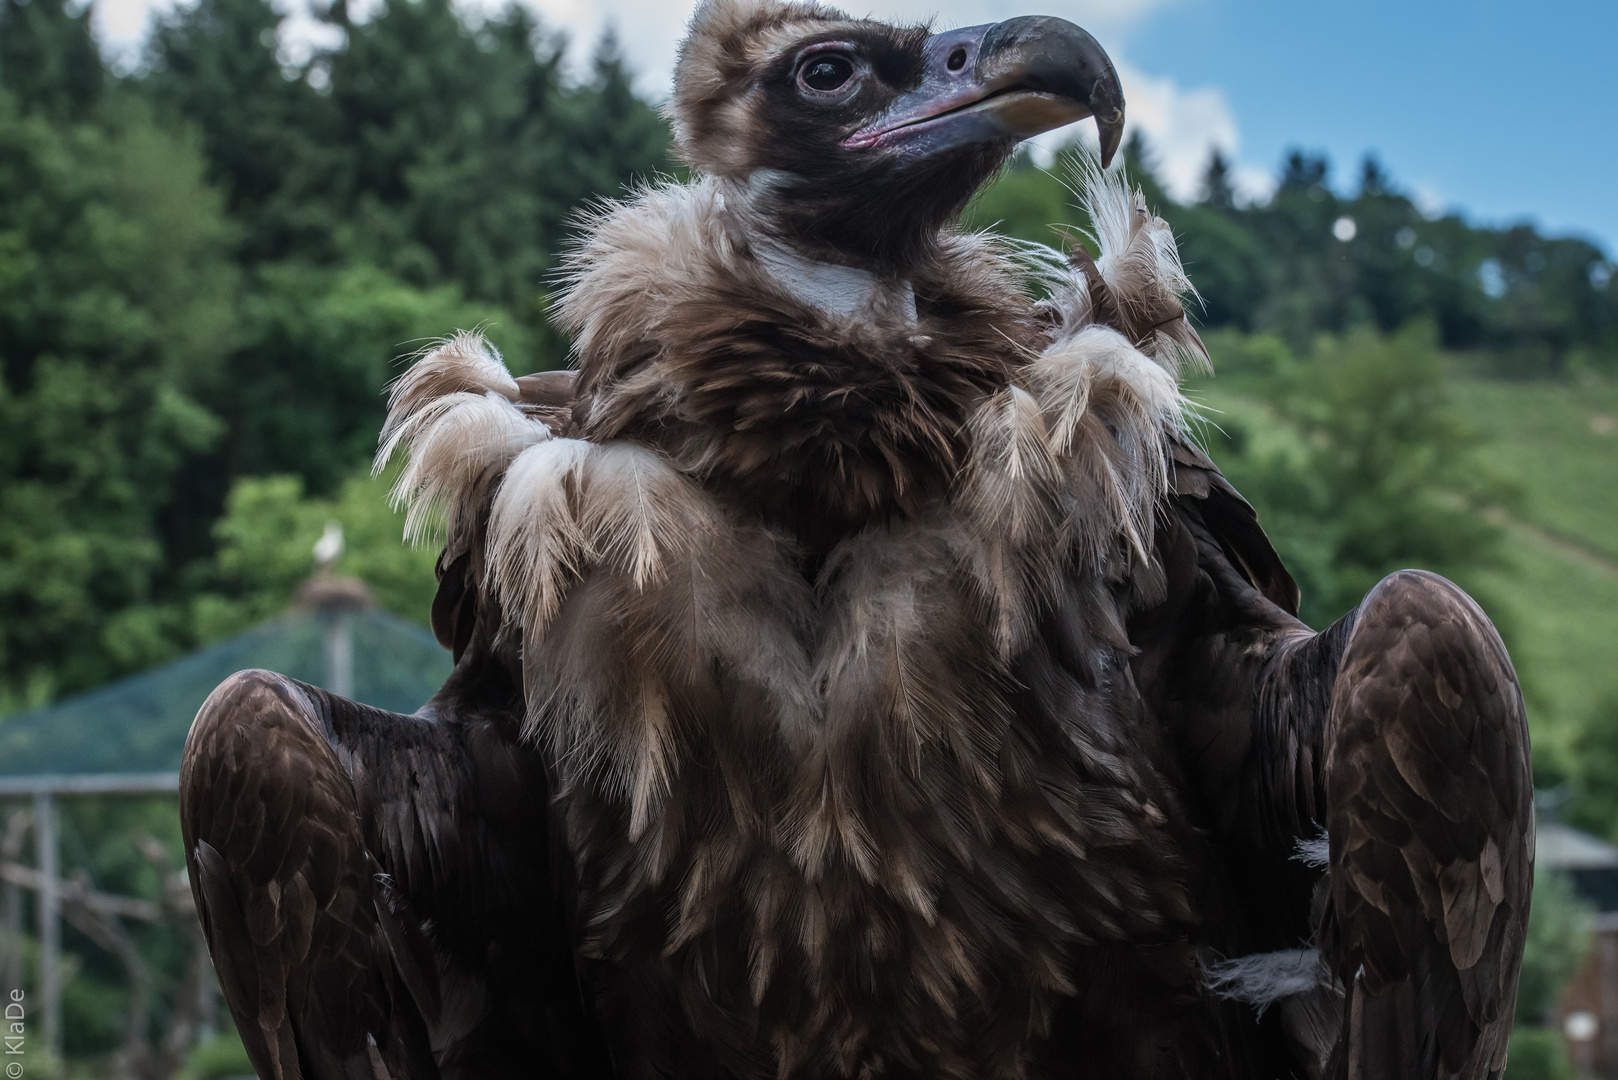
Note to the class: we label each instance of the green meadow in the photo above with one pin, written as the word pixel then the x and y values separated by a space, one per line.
pixel 1557 444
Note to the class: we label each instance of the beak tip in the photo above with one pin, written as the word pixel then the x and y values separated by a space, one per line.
pixel 1111 133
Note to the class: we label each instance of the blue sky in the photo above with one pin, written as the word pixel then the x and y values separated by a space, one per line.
pixel 1502 108
pixel 1506 109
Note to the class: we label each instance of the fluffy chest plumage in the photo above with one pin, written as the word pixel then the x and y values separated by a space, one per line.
pixel 820 401
pixel 813 804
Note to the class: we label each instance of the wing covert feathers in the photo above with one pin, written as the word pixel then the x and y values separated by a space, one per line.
pixel 1429 806
pixel 1233 523
pixel 321 979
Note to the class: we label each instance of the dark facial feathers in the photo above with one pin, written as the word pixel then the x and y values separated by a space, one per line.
pixel 860 141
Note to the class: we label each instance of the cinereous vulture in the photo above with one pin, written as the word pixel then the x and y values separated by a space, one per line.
pixel 859 670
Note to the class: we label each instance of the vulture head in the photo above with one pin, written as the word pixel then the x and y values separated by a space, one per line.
pixel 862 139
pixel 800 327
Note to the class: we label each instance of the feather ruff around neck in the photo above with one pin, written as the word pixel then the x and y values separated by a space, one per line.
pixel 1061 454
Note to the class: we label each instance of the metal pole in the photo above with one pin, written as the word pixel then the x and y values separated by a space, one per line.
pixel 50 924
pixel 91 784
pixel 339 653
pixel 11 955
pixel 1608 996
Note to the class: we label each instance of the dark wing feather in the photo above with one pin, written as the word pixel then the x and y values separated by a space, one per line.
pixel 371 877
pixel 455 608
pixel 1232 523
pixel 298 929
pixel 1429 807
pixel 1401 730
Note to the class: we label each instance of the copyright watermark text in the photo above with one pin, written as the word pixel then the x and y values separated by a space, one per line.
pixel 14 1040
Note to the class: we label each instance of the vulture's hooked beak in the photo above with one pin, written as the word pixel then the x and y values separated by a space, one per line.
pixel 1002 82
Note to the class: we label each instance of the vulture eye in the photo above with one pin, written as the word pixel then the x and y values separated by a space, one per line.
pixel 826 73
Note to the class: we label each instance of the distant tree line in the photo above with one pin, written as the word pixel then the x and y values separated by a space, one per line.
pixel 1311 260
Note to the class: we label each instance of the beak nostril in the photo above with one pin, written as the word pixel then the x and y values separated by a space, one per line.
pixel 957 59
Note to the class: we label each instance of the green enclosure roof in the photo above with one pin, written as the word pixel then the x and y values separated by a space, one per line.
pixel 139 724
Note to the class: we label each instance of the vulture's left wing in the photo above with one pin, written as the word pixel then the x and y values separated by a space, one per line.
pixel 1429 809
pixel 1400 731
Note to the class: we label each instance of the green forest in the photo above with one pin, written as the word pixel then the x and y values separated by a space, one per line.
pixel 211 265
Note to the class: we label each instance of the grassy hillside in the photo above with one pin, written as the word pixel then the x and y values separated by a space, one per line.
pixel 1557 442
pixel 1560 442
pixel 1563 611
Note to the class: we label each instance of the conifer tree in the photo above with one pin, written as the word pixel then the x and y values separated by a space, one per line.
pixel 48 59
pixel 1218 193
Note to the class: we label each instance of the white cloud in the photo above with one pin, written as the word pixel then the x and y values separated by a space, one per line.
pixel 1182 126
pixel 121 27
pixel 1425 194
pixel 650 29
pixel 1252 183
pixel 120 24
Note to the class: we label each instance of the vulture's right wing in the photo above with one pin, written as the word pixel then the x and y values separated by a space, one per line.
pixel 1400 730
pixel 319 972
pixel 378 889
